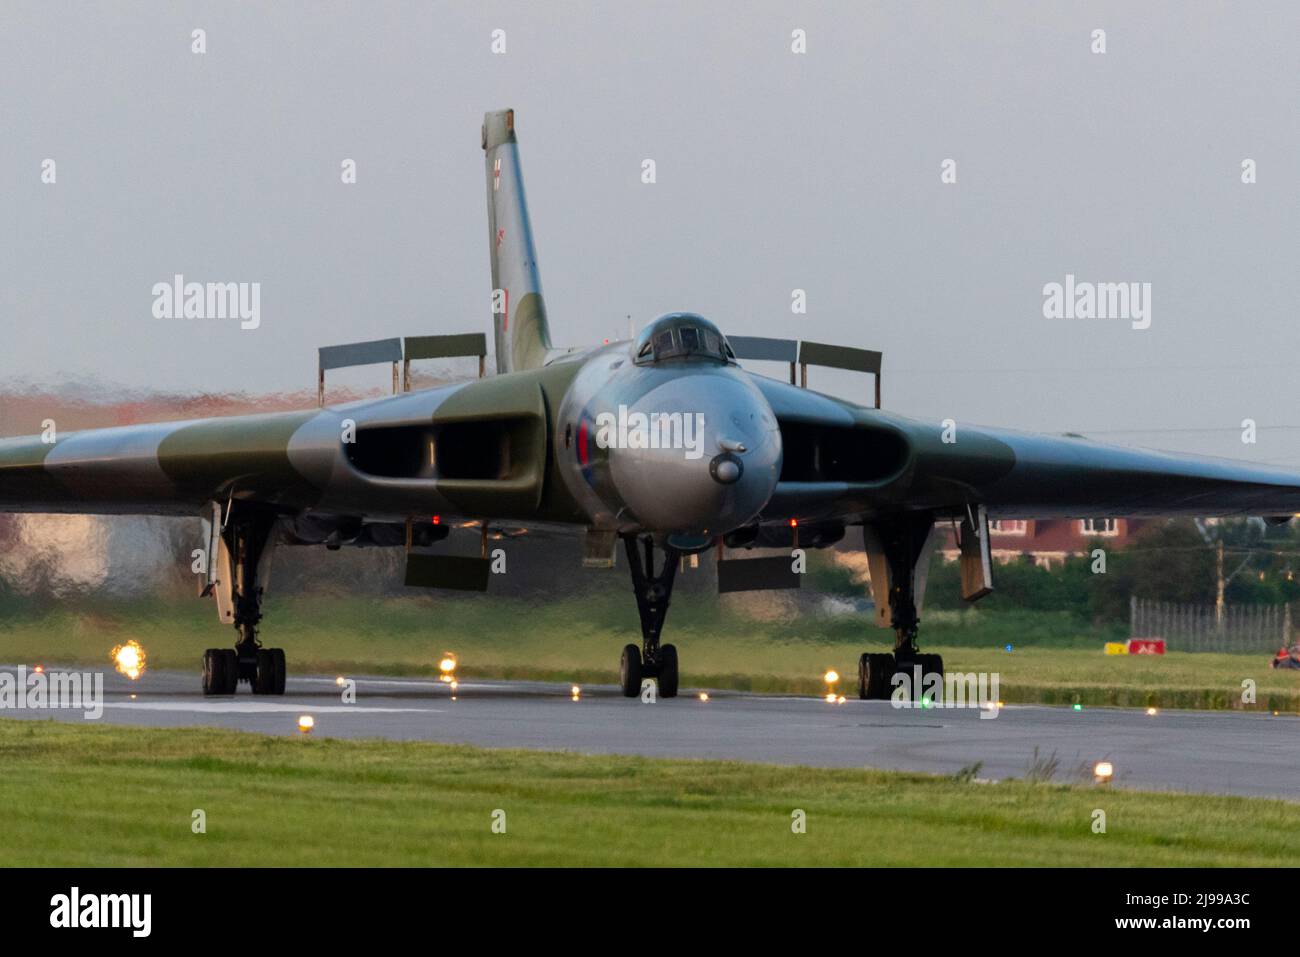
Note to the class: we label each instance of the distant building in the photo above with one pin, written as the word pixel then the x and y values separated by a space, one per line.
pixel 1049 541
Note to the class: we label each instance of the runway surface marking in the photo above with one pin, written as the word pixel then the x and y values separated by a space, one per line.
pixel 261 707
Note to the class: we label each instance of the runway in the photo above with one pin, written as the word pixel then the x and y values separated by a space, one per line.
pixel 1205 752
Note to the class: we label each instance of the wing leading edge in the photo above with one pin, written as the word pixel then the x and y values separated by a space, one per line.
pixel 1013 474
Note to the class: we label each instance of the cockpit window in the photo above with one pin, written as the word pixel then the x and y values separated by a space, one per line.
pixel 682 335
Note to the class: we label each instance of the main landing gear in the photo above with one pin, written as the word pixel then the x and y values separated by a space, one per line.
pixel 246 542
pixel 651 660
pixel 898 552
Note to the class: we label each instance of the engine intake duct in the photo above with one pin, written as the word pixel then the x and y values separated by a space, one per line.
pixel 819 453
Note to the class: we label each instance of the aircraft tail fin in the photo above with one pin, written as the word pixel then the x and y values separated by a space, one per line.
pixel 518 310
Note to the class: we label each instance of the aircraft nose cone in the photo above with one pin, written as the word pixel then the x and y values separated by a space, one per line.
pixel 722 477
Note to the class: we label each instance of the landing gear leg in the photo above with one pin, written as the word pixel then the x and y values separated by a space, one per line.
pixel 897 552
pixel 653 592
pixel 247 540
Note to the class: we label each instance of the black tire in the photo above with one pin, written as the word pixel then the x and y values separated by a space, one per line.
pixel 874 672
pixel 229 670
pixel 213 683
pixel 264 677
pixel 929 665
pixel 277 660
pixel 668 671
pixel 629 671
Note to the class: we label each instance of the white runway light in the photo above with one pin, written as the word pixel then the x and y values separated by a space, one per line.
pixel 306 723
pixel 1103 772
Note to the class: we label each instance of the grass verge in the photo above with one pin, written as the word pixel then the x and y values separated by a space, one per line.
pixel 77 795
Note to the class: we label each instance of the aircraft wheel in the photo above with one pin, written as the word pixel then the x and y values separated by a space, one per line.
pixel 668 671
pixel 629 671
pixel 213 681
pixel 279 672
pixel 932 665
pixel 230 670
pixel 264 676
pixel 220 671
pixel 874 672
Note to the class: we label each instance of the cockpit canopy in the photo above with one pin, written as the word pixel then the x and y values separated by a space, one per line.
pixel 681 335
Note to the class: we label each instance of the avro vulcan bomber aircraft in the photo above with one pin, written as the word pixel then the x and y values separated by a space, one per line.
pixel 664 442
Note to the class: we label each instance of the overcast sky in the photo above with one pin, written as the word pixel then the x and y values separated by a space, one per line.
pixel 775 171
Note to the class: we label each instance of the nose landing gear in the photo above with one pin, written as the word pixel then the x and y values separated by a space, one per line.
pixel 653 592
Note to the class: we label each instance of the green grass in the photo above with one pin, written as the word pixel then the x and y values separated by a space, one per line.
pixel 78 795
pixel 1056 659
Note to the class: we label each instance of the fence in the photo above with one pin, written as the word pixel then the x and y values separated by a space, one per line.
pixel 1198 628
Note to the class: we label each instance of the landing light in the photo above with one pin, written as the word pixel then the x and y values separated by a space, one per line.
pixel 704 696
pixel 576 692
pixel 840 699
pixel 340 681
pixel 1151 712
pixel 1103 772
pixel 830 698
pixel 129 659
pixel 305 723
